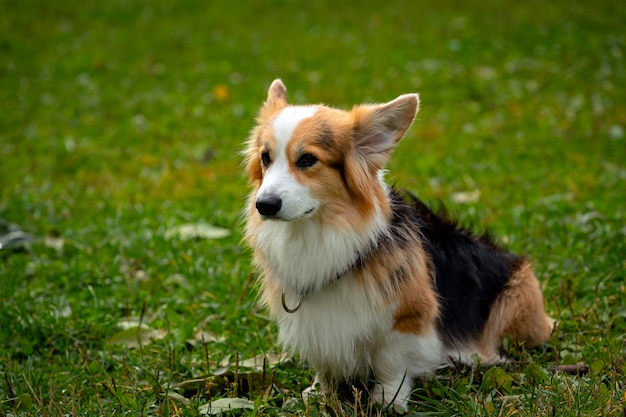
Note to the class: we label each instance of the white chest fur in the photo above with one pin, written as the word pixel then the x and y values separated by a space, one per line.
pixel 305 255
pixel 337 329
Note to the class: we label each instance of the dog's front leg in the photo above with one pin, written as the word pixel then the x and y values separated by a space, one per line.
pixel 393 382
pixel 398 359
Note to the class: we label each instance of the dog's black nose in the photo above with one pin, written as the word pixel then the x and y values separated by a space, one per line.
pixel 269 206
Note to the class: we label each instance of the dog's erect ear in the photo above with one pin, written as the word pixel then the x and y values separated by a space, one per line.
pixel 277 91
pixel 276 100
pixel 379 127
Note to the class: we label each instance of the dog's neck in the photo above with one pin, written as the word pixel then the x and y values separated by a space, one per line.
pixel 302 295
pixel 307 256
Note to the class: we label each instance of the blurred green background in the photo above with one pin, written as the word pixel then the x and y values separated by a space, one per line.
pixel 120 121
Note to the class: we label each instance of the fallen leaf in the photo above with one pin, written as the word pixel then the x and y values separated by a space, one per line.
pixel 225 404
pixel 189 387
pixel 177 397
pixel 270 360
pixel 466 197
pixel 221 92
pixel 202 337
pixel 134 337
pixel 131 323
pixel 222 381
pixel 12 238
pixel 191 231
pixel 55 242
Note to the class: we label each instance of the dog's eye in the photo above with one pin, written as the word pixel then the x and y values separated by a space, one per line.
pixel 306 160
pixel 266 159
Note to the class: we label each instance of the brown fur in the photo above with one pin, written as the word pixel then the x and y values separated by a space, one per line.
pixel 517 313
pixel 418 308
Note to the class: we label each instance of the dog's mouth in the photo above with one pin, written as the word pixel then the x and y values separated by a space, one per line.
pixel 285 218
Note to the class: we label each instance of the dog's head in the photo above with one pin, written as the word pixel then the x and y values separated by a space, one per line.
pixel 306 161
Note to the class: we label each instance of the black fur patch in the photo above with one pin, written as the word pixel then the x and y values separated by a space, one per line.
pixel 470 271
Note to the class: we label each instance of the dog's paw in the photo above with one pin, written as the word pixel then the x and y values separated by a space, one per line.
pixel 313 392
pixel 552 325
pixel 399 405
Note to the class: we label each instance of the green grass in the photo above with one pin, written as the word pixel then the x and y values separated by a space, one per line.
pixel 122 119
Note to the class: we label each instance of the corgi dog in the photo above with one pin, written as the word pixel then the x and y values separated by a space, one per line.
pixel 364 280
